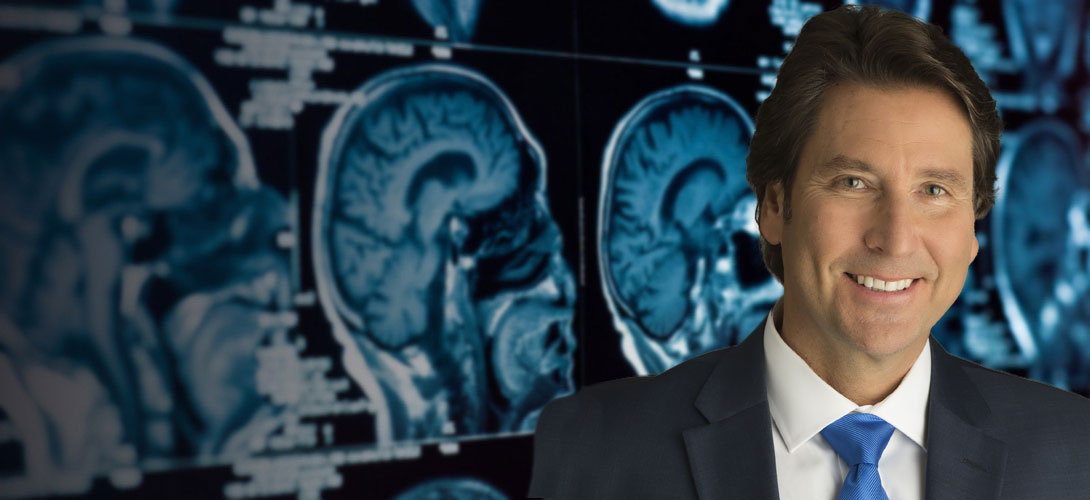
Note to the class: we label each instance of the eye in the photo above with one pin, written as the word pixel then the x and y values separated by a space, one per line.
pixel 934 190
pixel 852 183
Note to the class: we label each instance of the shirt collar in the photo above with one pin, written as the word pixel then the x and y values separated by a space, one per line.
pixel 802 404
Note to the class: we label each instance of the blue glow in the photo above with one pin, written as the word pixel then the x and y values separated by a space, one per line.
pixel 921 9
pixel 1044 39
pixel 458 18
pixel 692 12
pixel 977 39
pixel 790 15
pixel 452 489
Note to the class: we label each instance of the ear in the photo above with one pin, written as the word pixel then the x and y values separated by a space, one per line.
pixel 976 247
pixel 772 213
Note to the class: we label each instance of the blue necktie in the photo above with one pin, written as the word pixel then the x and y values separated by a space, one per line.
pixel 860 439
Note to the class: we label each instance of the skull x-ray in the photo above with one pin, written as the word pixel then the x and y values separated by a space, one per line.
pixel 139 261
pixel 452 489
pixel 436 258
pixel 1041 249
pixel 692 12
pixel 678 247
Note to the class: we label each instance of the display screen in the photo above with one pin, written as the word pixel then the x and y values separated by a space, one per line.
pixel 350 249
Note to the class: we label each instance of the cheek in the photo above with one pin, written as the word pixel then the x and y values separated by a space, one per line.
pixel 953 251
pixel 826 232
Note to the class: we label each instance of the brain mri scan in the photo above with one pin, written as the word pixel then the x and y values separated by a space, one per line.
pixel 437 259
pixel 1041 249
pixel 458 17
pixel 452 489
pixel 692 12
pixel 140 270
pixel 679 254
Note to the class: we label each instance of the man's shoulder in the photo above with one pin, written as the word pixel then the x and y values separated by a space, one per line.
pixel 1040 430
pixel 679 383
pixel 618 436
pixel 1016 402
pixel 638 400
pixel 1005 388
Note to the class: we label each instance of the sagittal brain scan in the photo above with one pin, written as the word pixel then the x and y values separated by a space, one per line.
pixel 452 489
pixel 437 260
pixel 679 252
pixel 140 270
pixel 458 17
pixel 692 12
pixel 1042 250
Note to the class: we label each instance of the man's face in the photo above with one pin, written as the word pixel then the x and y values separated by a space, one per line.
pixel 883 191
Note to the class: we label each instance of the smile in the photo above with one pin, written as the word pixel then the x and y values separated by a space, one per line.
pixel 878 285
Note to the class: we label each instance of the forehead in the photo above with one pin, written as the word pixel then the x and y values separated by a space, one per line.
pixel 902 128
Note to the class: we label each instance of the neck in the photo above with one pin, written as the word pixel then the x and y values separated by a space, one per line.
pixel 863 378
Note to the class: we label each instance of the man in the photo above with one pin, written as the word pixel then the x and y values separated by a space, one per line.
pixel 871 160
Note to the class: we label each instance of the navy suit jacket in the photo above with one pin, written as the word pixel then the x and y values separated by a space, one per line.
pixel 702 430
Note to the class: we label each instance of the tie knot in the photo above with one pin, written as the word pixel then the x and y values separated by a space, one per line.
pixel 859 438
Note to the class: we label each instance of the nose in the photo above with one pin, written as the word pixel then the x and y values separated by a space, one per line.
pixel 893 229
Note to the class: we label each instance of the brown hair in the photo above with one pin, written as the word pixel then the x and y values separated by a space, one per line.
pixel 870 46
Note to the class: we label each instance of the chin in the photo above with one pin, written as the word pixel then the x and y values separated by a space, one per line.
pixel 881 339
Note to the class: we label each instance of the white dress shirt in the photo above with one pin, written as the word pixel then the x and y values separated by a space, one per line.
pixel 802 404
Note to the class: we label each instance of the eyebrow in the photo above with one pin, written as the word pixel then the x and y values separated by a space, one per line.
pixel 841 163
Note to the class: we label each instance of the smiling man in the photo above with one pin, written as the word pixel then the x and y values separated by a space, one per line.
pixel 881 235
pixel 871 160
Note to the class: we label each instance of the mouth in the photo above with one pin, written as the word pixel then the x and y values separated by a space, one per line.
pixel 880 285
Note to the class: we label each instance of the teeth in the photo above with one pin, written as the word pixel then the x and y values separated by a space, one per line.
pixel 883 286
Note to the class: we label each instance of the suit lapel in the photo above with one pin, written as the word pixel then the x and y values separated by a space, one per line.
pixel 962 460
pixel 731 456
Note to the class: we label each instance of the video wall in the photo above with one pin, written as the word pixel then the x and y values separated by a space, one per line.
pixel 349 249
